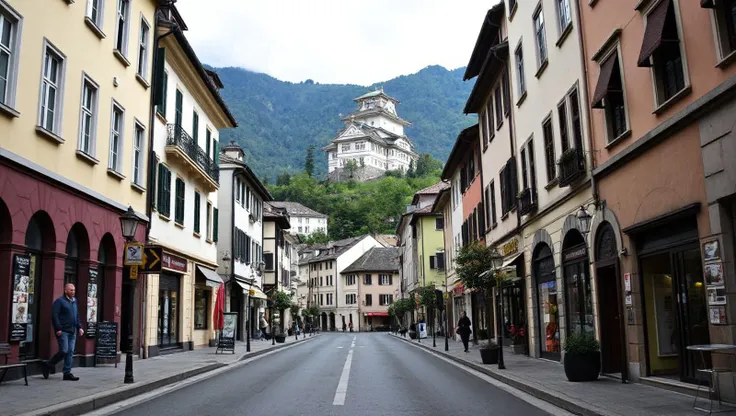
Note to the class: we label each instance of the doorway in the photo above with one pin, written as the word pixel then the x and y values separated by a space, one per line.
pixel 547 309
pixel 676 310
pixel 168 311
pixel 610 320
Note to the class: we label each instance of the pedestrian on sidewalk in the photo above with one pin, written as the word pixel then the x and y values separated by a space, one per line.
pixel 264 326
pixel 66 323
pixel 463 328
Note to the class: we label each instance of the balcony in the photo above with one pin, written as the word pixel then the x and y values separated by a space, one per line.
pixel 183 148
pixel 571 166
pixel 527 201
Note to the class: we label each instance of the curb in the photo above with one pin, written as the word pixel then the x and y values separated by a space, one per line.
pixel 104 399
pixel 551 398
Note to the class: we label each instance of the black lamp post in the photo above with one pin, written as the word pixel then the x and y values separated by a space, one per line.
pixel 434 330
pixel 584 217
pixel 496 263
pixel 128 226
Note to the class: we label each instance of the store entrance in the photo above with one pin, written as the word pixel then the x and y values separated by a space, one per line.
pixel 612 344
pixel 168 311
pixel 514 313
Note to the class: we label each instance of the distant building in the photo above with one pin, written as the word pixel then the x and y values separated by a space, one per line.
pixel 304 220
pixel 373 138
pixel 376 276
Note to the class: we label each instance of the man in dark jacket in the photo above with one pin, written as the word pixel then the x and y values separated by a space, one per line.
pixel 65 319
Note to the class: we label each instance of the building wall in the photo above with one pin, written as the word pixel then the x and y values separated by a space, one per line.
pixel 344 260
pixel 375 290
pixel 300 224
pixel 430 240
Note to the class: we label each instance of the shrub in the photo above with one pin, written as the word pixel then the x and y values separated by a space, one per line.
pixel 581 343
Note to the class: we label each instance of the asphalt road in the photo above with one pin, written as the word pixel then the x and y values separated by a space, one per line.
pixel 385 376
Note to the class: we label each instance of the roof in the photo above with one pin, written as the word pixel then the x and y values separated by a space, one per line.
pixel 249 174
pixel 388 240
pixel 377 259
pixel 422 212
pixel 277 215
pixel 387 138
pixel 442 198
pixel 430 190
pixel 335 249
pixel 377 93
pixel 496 61
pixel 215 78
pixel 377 110
pixel 464 142
pixel 296 209
pixel 488 32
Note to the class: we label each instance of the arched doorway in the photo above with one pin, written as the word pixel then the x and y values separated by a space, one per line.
pixel 40 238
pixel 578 286
pixel 548 316
pixel 608 293
pixel 104 286
pixel 332 321
pixel 77 249
pixel 324 321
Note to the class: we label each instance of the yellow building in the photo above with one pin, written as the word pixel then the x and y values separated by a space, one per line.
pixel 75 125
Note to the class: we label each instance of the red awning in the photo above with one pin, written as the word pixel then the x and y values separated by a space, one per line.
pixel 376 314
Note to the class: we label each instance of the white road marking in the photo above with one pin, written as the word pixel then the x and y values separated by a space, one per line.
pixel 342 385
pixel 339 347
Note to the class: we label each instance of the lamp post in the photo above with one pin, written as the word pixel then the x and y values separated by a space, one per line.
pixel 584 217
pixel 128 226
pixel 447 322
pixel 434 330
pixel 496 263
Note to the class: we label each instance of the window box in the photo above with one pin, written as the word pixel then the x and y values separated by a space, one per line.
pixel 571 166
pixel 527 201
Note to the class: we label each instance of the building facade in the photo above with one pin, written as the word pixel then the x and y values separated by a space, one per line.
pixel 663 143
pixel 76 121
pixel 376 276
pixel 276 252
pixel 305 221
pixel 372 142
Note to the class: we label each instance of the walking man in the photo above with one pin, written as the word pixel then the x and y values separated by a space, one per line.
pixel 65 319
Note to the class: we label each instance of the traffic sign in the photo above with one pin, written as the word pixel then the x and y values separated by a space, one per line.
pixel 133 272
pixel 133 254
pixel 151 259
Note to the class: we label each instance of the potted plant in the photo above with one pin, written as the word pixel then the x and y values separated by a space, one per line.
pixel 489 353
pixel 518 339
pixel 413 331
pixel 582 357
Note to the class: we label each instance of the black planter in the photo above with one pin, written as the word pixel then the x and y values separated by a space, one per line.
pixel 583 367
pixel 489 355
pixel 280 339
pixel 413 334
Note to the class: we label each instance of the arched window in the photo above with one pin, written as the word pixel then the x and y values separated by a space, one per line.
pixel 71 265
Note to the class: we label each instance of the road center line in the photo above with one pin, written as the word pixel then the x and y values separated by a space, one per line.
pixel 342 385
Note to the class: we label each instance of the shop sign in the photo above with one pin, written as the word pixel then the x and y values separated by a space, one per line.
pixel 509 248
pixel 106 344
pixel 174 262
pixel 21 289
pixel 575 254
pixel 92 304
pixel 226 340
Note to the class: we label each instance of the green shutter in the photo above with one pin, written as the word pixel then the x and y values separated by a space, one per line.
pixel 196 213
pixel 214 225
pixel 179 208
pixel 167 193
pixel 207 145
pixel 179 103
pixel 152 176
pixel 195 126
pixel 159 81
pixel 216 154
pixel 160 188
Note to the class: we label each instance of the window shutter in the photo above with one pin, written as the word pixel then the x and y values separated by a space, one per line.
pixel 159 81
pixel 214 223
pixel 441 261
pixel 432 262
pixel 390 280
pixel 197 213
pixel 216 154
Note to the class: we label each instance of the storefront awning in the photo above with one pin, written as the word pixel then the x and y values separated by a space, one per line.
pixel 213 279
pixel 376 314
pixel 257 293
pixel 510 260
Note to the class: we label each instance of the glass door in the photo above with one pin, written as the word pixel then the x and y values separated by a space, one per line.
pixel 29 347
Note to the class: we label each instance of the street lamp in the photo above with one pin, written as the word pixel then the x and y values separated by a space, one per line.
pixel 496 264
pixel 584 217
pixel 128 226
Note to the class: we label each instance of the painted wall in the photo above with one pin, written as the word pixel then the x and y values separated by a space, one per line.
pixel 346 259
pixel 307 225
pixel 63 25
pixel 430 240
pixel 375 290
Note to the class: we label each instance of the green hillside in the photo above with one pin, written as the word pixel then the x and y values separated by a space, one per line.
pixel 278 120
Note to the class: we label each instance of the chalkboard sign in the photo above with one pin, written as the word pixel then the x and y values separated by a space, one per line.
pixel 226 341
pixel 106 345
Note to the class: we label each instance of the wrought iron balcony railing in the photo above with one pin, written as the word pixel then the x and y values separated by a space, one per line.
pixel 571 166
pixel 527 201
pixel 181 139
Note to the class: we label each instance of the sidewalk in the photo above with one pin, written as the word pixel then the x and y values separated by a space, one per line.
pixel 103 385
pixel 546 380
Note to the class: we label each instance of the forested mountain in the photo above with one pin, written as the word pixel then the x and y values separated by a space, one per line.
pixel 278 120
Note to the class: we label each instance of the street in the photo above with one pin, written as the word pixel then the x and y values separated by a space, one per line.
pixel 378 375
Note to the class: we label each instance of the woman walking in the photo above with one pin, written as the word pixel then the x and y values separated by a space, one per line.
pixel 463 328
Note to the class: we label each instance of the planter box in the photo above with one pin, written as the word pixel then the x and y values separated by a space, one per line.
pixel 489 356
pixel 585 367
pixel 280 339
pixel 413 334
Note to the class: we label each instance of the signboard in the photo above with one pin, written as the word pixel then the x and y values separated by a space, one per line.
pixel 574 253
pixel 226 341
pixel 106 345
pixel 133 254
pixel 627 289
pixel 422 329
pixel 22 290
pixel 511 247
pixel 174 262
pixel 134 272
pixel 151 263
pixel 92 303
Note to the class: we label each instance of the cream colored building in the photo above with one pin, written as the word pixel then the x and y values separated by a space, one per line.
pixel 374 282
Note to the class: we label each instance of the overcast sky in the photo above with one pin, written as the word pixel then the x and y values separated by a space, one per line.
pixel 334 41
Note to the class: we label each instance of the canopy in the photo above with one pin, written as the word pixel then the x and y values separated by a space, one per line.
pixel 213 279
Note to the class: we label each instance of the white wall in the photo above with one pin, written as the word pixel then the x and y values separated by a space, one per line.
pixel 299 225
pixel 346 259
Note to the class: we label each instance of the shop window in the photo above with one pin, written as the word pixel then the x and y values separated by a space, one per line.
pixel 201 308
pixel 547 298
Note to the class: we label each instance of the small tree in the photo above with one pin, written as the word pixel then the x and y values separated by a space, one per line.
pixel 351 167
pixel 282 302
pixel 309 161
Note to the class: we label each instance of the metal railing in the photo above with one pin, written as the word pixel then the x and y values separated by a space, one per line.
pixel 181 139
pixel 527 201
pixel 571 166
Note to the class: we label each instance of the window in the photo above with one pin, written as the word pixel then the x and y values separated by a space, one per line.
pixel 179 204
pixel 143 50
pixel 197 214
pixel 368 300
pixel 195 127
pixel 384 300
pixel 577 124
pixel 528 168
pixel 385 279
pixel 493 202
pixel 138 144
pixel 268 259
pixel 164 190
pixel 116 134
pixel 215 224
pixel 201 308
pixel 350 280
pixel 499 108
pixel 121 27
pixel 564 140
pixel 440 256
pixel 178 110
pixel 521 81
pixel 439 223
pixel 662 51
pixel 52 92
pixel 563 14
pixel 540 37
pixel 508 186
pixel 609 96
pixel 524 182
pixel 95 11
pixel 10 28
pixel 433 259
pixel 161 109
pixel 209 220
pixel 208 137
pixel 549 150
pixel 725 17
pixel 367 280
pixel 346 147
pixel 489 120
pixel 350 299
pixel 506 93
pixel 321 299
pixel 88 116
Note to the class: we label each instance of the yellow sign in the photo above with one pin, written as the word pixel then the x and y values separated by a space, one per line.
pixel 133 272
pixel 510 248
pixel 251 292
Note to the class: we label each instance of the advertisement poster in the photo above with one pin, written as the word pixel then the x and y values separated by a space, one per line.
pixel 92 304
pixel 21 292
pixel 422 329
pixel 718 315
pixel 226 340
